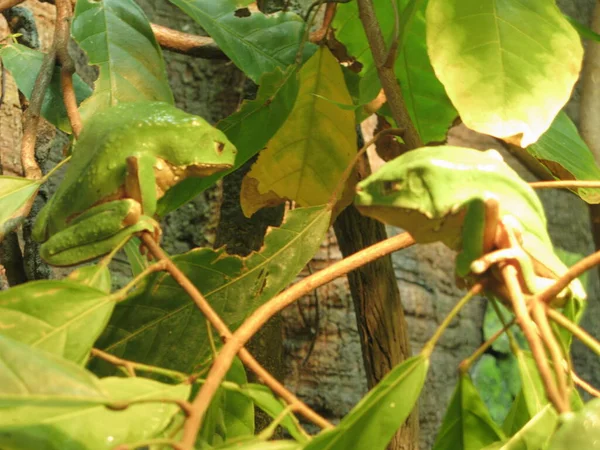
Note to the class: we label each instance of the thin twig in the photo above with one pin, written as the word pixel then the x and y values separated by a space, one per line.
pixel 562 184
pixel 387 76
pixel 430 345
pixel 538 314
pixel 115 361
pixel 225 333
pixel 509 274
pixel 574 271
pixel 467 362
pixel 187 44
pixel 574 329
pixel 5 4
pixel 32 116
pixel 321 33
pixel 64 12
pixel 250 326
pixel 584 385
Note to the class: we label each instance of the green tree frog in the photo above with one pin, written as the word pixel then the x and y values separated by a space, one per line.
pixel 126 158
pixel 474 203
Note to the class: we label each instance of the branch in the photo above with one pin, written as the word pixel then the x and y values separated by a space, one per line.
pixel 64 12
pixel 226 334
pixel 386 74
pixel 187 44
pixel 564 184
pixel 574 271
pixel 6 4
pixel 509 274
pixel 223 362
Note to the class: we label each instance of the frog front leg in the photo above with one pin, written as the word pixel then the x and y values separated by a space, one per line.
pixel 96 232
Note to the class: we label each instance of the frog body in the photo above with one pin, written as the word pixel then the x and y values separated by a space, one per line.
pixel 126 158
pixel 442 193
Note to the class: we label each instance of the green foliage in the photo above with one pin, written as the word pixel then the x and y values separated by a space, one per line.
pixel 467 423
pixel 24 64
pixel 117 38
pixel 257 44
pixel 505 68
pixel 375 419
pixel 479 49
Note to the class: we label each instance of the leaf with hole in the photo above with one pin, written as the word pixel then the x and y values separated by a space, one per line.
pixel 159 325
pixel 257 43
pixel 508 67
pixel 132 69
pixel 24 65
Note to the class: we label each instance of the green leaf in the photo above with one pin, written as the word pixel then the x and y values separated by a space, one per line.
pixel 95 276
pixel 583 31
pixel 350 32
pixel 137 261
pixel 150 326
pixel 533 386
pixel 61 317
pixel 15 195
pixel 29 376
pixel 257 43
pixel 467 423
pixel 508 67
pixel 492 383
pixel 517 416
pixel 579 430
pixel 373 421
pixel 95 427
pixel 116 36
pixel 24 64
pixel 249 130
pixel 535 434
pixel 264 398
pixel 564 153
pixel 426 100
pixel 231 414
pixel 289 168
pixel 259 444
pixel 238 409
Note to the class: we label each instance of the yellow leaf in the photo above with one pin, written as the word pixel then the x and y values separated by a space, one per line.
pixel 306 158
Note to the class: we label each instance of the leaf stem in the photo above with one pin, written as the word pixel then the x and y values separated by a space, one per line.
pixel 430 345
pixel 468 362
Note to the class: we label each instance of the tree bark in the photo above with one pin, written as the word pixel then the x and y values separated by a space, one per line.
pixel 379 313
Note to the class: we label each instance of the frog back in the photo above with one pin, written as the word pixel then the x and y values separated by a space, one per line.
pixel 460 175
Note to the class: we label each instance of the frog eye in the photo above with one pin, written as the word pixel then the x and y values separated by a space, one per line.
pixel 392 186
